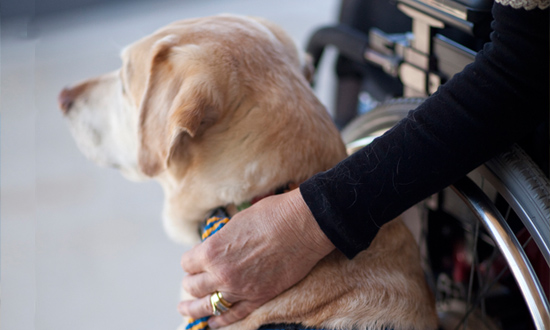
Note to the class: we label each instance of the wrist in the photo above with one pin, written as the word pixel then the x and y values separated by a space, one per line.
pixel 307 228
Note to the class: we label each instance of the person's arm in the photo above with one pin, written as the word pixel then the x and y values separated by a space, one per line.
pixel 477 114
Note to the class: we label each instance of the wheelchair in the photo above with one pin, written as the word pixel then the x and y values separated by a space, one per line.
pixel 485 241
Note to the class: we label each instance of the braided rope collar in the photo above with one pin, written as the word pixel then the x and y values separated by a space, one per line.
pixel 213 223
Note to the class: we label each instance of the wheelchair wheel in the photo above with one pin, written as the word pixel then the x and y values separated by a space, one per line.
pixel 485 241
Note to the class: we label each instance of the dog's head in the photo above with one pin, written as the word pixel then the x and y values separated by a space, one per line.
pixel 218 109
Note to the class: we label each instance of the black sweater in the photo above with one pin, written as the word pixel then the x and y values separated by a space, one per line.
pixel 477 114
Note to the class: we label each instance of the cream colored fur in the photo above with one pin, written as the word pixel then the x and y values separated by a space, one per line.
pixel 219 110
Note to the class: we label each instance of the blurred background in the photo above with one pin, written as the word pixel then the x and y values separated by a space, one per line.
pixel 81 247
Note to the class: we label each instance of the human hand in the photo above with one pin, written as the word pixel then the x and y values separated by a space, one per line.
pixel 261 252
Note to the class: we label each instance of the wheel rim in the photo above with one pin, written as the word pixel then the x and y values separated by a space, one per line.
pixel 468 312
pixel 512 250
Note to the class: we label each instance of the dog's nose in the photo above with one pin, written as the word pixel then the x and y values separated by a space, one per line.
pixel 65 100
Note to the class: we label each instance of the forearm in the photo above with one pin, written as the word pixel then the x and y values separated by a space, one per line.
pixel 474 116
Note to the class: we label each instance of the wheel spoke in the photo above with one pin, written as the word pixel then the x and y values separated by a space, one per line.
pixel 472 269
pixel 488 288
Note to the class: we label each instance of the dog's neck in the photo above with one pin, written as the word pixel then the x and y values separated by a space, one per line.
pixel 233 209
pixel 228 211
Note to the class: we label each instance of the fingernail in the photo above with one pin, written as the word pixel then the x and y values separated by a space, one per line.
pixel 213 324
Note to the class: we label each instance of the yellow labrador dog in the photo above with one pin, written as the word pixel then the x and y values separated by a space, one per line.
pixel 219 111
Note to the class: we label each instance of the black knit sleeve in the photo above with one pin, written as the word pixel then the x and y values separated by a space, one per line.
pixel 494 102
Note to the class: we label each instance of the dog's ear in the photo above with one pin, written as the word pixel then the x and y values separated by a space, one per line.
pixel 178 99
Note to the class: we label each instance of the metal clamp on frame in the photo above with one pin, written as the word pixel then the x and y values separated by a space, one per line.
pixel 414 73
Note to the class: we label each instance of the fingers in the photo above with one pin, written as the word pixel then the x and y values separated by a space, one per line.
pixel 199 285
pixel 203 307
pixel 191 261
pixel 268 259
pixel 196 308
pixel 237 312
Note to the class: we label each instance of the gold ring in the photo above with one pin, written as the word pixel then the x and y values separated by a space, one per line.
pixel 226 303
pixel 219 305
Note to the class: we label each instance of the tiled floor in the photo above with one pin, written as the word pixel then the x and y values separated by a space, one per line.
pixel 82 248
